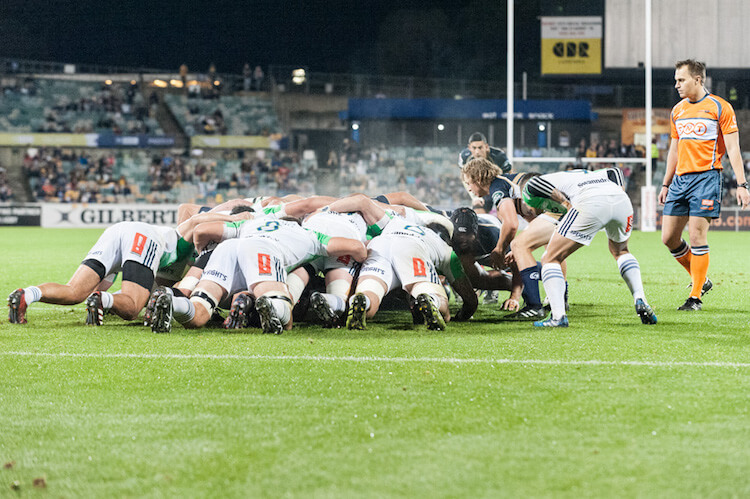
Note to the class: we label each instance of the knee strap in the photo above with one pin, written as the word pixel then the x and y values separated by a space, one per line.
pixel 339 287
pixel 206 300
pixel 372 286
pixel 428 287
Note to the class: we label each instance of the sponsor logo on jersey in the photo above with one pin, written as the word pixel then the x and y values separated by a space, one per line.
pixel 344 259
pixel 419 268
pixel 138 244
pixel 707 204
pixel 697 128
pixel 580 235
pixel 594 181
pixel 217 274
pixel 264 264
pixel 629 224
pixel 371 268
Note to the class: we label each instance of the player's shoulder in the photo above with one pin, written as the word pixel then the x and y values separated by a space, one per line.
pixel 502 182
pixel 678 108
pixel 722 104
pixel 464 156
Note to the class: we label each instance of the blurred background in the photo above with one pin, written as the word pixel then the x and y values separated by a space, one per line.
pixel 143 103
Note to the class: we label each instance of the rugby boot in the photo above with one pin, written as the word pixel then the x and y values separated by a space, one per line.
pixel 269 321
pixel 691 304
pixel 490 297
pixel 430 312
pixel 94 309
pixel 151 303
pixel 17 307
pixel 239 311
pixel 645 312
pixel 323 310
pixel 561 322
pixel 357 318
pixel 161 321
pixel 527 313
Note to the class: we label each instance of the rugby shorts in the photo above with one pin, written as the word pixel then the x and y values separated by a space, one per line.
pixel 695 195
pixel 611 212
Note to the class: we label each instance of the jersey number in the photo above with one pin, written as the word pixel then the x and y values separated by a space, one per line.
pixel 269 226
pixel 419 268
pixel 264 264
pixel 138 243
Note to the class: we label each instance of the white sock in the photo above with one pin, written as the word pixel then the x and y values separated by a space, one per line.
pixel 107 300
pixel 554 285
pixel 336 302
pixel 283 309
pixel 631 274
pixel 182 309
pixel 435 300
pixel 32 294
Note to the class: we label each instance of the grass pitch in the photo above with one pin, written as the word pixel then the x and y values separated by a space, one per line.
pixel 607 407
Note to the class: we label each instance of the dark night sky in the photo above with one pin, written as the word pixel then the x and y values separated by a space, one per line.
pixel 456 39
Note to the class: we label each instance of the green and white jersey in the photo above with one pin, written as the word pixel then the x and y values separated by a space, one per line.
pixel 296 245
pixel 438 251
pixel 178 255
pixel 334 224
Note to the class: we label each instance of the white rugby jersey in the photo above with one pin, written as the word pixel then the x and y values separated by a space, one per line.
pixel 334 224
pixel 574 184
pixel 296 245
pixel 439 252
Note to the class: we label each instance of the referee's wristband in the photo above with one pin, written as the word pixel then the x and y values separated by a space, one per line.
pixel 744 184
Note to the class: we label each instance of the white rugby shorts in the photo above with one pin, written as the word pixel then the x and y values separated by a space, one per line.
pixel 129 241
pixel 611 212
pixel 399 262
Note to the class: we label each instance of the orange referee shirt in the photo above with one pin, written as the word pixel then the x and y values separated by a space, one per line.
pixel 700 127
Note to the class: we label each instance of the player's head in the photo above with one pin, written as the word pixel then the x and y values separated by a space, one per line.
pixel 689 78
pixel 440 230
pixel 478 145
pixel 241 209
pixel 478 174
pixel 465 229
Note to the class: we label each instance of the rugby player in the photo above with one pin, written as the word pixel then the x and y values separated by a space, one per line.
pixel 591 202
pixel 141 251
pixel 256 263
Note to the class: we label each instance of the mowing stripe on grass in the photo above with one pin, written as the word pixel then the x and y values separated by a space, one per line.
pixel 346 358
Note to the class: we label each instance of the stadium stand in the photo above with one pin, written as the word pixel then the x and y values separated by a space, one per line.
pixel 227 115
pixel 49 105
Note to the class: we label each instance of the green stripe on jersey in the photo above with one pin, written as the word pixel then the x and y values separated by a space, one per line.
pixel 456 268
pixel 182 253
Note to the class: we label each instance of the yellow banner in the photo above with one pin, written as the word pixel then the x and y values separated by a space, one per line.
pixel 571 56
pixel 571 45
pixel 230 142
pixel 48 139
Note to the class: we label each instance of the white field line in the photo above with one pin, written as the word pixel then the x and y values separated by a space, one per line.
pixel 355 359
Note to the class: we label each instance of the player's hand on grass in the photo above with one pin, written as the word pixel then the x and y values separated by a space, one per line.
pixel 462 315
pixel 512 305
